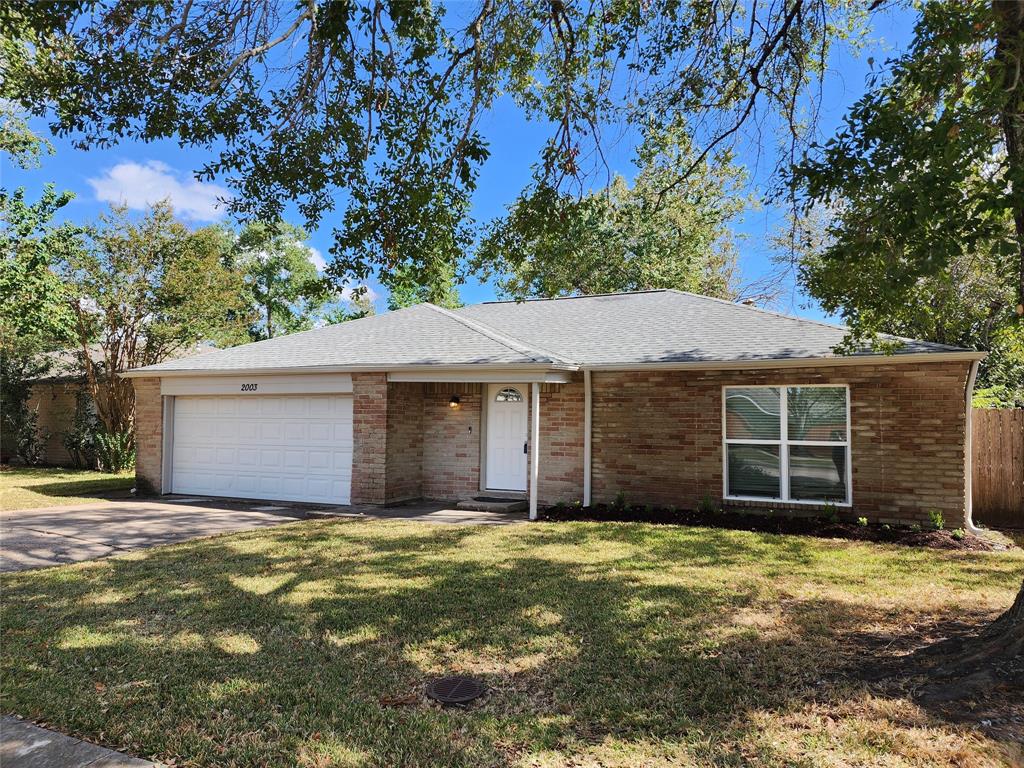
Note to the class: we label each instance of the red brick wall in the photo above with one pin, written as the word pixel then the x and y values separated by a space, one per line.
pixel 657 436
pixel 561 442
pixel 404 442
pixel 451 441
pixel 149 435
pixel 369 432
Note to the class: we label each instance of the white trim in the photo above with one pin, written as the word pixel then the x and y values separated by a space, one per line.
pixel 588 428
pixel 470 376
pixel 803 362
pixel 167 447
pixel 711 365
pixel 254 386
pixel 534 447
pixel 783 444
pixel 969 452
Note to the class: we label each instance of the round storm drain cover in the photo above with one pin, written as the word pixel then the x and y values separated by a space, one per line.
pixel 457 689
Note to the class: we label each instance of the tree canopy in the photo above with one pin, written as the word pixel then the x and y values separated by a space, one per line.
pixel 625 237
pixel 377 107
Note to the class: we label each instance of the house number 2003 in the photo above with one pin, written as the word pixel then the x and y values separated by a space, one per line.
pixel 249 387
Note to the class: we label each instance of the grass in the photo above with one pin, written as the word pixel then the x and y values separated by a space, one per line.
pixel 602 644
pixel 34 487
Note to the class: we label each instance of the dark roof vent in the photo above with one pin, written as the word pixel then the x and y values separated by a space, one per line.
pixel 457 690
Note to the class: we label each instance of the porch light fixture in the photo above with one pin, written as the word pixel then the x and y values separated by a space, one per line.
pixel 453 403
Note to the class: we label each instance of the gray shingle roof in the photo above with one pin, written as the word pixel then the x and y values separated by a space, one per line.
pixel 420 335
pixel 665 326
pixel 625 329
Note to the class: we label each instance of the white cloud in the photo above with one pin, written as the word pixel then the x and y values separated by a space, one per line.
pixel 139 185
pixel 316 258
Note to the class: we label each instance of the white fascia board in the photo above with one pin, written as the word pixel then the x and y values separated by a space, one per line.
pixel 805 362
pixel 475 376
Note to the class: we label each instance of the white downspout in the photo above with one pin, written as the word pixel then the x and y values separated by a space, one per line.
pixel 968 453
pixel 588 404
pixel 535 443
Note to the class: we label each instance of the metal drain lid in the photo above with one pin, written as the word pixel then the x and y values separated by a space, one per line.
pixel 457 689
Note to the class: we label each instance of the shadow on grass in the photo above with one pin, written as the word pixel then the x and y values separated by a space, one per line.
pixel 285 646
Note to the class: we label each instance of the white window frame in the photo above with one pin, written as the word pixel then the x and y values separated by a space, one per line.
pixel 784 443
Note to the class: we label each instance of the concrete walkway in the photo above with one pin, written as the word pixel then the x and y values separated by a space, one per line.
pixel 23 745
pixel 37 538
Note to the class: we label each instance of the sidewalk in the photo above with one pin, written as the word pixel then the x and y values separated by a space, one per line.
pixel 23 745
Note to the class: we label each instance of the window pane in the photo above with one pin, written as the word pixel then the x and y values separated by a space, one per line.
pixel 509 395
pixel 754 470
pixel 817 472
pixel 817 413
pixel 752 413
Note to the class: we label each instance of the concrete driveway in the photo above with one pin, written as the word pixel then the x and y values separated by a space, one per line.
pixel 37 538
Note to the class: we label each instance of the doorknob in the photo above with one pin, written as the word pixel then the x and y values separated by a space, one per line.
pixel 524 447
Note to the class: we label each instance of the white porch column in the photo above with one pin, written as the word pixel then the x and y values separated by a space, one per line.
pixel 535 446
pixel 588 403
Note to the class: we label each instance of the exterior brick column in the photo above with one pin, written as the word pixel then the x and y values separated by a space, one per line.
pixel 149 436
pixel 369 432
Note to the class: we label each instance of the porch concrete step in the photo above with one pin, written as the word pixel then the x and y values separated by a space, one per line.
pixel 493 504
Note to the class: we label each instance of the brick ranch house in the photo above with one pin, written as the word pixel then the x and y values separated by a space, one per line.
pixel 663 396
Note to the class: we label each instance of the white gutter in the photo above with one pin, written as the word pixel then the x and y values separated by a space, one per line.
pixel 793 362
pixel 969 452
pixel 588 404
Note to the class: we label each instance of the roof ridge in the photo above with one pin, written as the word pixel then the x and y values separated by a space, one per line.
pixel 536 299
pixel 516 345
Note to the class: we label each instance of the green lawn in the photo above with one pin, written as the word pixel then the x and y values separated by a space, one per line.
pixel 603 645
pixel 32 487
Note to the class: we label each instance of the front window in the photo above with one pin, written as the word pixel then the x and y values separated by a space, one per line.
pixel 787 443
pixel 509 395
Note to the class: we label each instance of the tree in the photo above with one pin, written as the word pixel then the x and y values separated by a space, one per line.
pixel 925 182
pixel 407 286
pixel 925 188
pixel 283 284
pixel 141 291
pixel 622 238
pixel 357 306
pixel 379 105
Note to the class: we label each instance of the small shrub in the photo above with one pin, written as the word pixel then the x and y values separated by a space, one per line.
pixel 80 440
pixel 707 505
pixel 560 506
pixel 915 528
pixel 115 450
pixel 648 510
pixel 936 519
pixel 959 534
pixel 620 501
pixel 862 522
pixel 29 440
pixel 886 527
pixel 831 513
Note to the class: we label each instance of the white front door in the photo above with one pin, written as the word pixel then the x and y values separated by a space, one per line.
pixel 506 437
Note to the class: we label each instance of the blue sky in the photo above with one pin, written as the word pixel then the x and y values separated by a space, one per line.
pixel 136 172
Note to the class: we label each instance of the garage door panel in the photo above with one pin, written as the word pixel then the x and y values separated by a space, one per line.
pixel 293 448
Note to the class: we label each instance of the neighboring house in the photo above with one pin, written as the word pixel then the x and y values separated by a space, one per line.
pixel 663 396
pixel 54 398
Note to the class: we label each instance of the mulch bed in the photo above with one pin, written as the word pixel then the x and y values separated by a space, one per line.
pixel 801 526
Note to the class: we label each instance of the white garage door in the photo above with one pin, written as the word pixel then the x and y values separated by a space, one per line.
pixel 292 448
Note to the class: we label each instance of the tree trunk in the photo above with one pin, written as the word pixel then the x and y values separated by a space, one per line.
pixel 1009 54
pixel 965 670
pixel 270 322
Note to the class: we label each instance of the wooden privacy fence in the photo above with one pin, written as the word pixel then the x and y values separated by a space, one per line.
pixel 998 459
